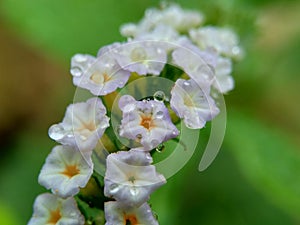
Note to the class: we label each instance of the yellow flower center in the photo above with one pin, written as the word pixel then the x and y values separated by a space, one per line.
pixel 147 122
pixel 71 171
pixel 54 217
pixel 99 78
pixel 130 220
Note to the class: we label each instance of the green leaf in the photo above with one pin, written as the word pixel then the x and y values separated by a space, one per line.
pixel 267 159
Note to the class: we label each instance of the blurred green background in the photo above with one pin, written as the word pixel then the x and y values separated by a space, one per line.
pixel 256 177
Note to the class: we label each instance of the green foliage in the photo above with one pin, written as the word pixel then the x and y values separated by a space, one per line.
pixel 267 158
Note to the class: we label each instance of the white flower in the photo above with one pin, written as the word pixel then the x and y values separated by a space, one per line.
pixel 84 123
pixel 80 63
pixel 173 16
pixel 223 40
pixel 176 17
pixel 142 57
pixel 192 103
pixel 197 64
pixel 147 122
pixel 101 76
pixel 223 81
pixel 161 32
pixel 50 209
pixel 130 178
pixel 117 214
pixel 65 171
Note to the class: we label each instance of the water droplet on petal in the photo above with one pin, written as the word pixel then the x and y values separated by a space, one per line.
pixel 159 96
pixel 148 156
pixel 175 132
pixel 186 83
pixel 129 108
pixel 76 71
pixel 134 191
pixel 159 51
pixel 159 114
pixel 80 58
pixel 114 188
pixel 126 100
pixel 139 136
pixel 160 148
pixel 56 132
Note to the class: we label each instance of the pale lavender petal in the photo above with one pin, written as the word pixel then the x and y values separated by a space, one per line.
pixel 130 178
pixel 147 122
pixel 193 103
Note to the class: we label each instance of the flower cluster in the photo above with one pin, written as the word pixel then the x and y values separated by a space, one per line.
pixel 164 39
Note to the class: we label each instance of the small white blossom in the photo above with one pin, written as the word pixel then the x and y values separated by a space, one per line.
pixel 223 80
pixel 80 63
pixel 130 178
pixel 142 57
pixel 117 214
pixel 161 32
pixel 195 63
pixel 193 103
pixel 84 123
pixel 173 16
pixel 50 209
pixel 223 40
pixel 65 171
pixel 101 76
pixel 147 122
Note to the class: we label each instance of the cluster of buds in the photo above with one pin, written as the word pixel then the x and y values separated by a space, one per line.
pixel 170 43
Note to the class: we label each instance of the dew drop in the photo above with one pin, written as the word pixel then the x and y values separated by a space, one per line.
pixel 175 132
pixel 159 96
pixel 56 132
pixel 76 71
pixel 134 191
pixel 186 83
pixel 148 156
pixel 160 148
pixel 159 51
pixel 126 100
pixel 159 114
pixel 114 188
pixel 139 136
pixel 80 58
pixel 128 108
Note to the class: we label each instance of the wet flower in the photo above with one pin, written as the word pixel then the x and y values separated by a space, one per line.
pixel 50 209
pixel 147 122
pixel 193 103
pixel 223 80
pixel 80 63
pixel 173 16
pixel 130 178
pixel 84 123
pixel 142 57
pixel 117 214
pixel 100 77
pixel 65 171
pixel 197 64
pixel 223 40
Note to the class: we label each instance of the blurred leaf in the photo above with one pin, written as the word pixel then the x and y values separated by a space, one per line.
pixel 19 186
pixel 7 216
pixel 219 195
pixel 67 27
pixel 267 159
